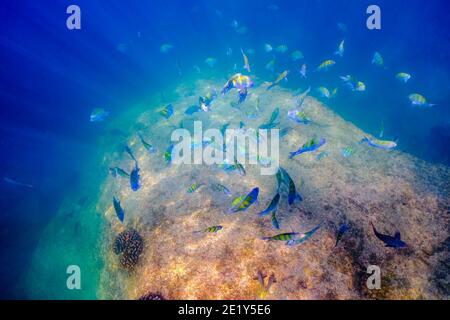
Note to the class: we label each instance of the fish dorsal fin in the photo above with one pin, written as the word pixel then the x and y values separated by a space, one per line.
pixel 397 236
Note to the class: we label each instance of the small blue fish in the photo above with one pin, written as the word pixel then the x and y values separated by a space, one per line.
pixel 194 187
pixel 389 241
pixel 342 230
pixel 274 219
pixel 98 115
pixel 380 144
pixel 246 202
pixel 119 211
pixel 308 146
pixel 322 155
pixel 135 178
pixel 302 237
pixel 273 206
pixel 347 152
pixel 168 154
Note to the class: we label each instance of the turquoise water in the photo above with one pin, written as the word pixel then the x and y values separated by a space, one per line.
pixel 133 58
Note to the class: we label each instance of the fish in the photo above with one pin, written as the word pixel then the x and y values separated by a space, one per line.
pixel 98 115
pixel 403 77
pixel 347 152
pixel 246 63
pixel 322 155
pixel 135 178
pixel 341 231
pixel 242 95
pixel 229 52
pixel 280 180
pixel 211 62
pixel 271 124
pixel 303 70
pixel 237 81
pixel 340 50
pixel 194 187
pixel 130 153
pixel 284 132
pixel 213 229
pixel 242 30
pixel 298 116
pixel 419 100
pixel 119 211
pixel 273 206
pixel 147 145
pixel 377 59
pixel 360 86
pixel 271 65
pixel 292 192
pixel 224 128
pixel 204 104
pixel 308 146
pixel 267 47
pixel 353 84
pixel 221 188
pixel 234 24
pixel 192 109
pixel 282 237
pixel 301 98
pixel 389 241
pixel 165 47
pixel 282 48
pixel 168 154
pixel 342 27
pixel 381 130
pixel 302 237
pixel 334 93
pixel 237 200
pixel 17 183
pixel 324 66
pixel 167 111
pixel 240 168
pixel 380 144
pixel 197 69
pixel 246 202
pixel 324 92
pixel 297 55
pixel 282 76
pixel 116 171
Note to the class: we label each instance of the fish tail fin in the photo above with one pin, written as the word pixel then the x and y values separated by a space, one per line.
pixel 272 84
pixel 292 155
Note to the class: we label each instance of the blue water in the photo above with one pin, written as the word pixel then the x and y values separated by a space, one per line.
pixel 51 78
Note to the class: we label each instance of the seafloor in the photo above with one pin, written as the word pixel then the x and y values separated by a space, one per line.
pixel 394 190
